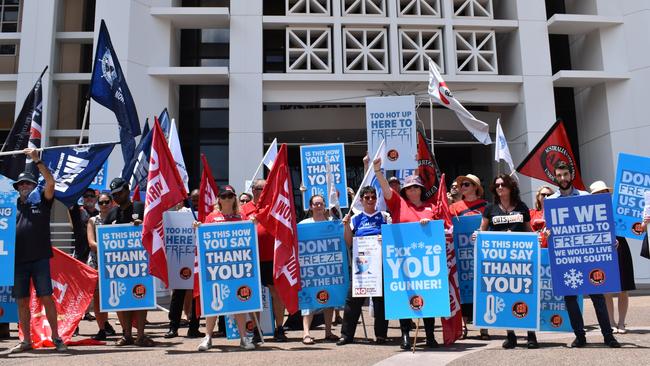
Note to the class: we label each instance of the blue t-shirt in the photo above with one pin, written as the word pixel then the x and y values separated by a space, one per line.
pixel 364 224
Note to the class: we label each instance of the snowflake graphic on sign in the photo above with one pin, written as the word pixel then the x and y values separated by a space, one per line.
pixel 573 278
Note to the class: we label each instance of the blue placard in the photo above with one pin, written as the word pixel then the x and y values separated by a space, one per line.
pixel 8 198
pixel 464 226
pixel 99 182
pixel 229 267
pixel 313 164
pixel 265 318
pixel 506 286
pixel 8 306
pixel 553 314
pixel 416 283
pixel 582 245
pixel 632 181
pixel 324 271
pixel 123 267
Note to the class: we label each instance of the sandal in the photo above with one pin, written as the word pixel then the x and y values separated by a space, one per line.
pixel 145 341
pixel 308 340
pixel 332 337
pixel 124 341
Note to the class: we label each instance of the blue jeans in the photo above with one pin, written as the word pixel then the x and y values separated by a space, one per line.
pixel 577 323
pixel 38 272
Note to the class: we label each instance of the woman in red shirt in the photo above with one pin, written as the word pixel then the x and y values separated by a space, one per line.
pixel 226 210
pixel 408 206
pixel 537 221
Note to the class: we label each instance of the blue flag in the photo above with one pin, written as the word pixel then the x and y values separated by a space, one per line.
pixel 74 168
pixel 141 153
pixel 165 123
pixel 108 87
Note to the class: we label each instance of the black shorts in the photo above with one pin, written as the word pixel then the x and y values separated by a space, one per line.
pixel 38 272
pixel 266 273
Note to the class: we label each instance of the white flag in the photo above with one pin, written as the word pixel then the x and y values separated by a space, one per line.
pixel 439 91
pixel 370 179
pixel 332 194
pixel 501 150
pixel 271 154
pixel 175 147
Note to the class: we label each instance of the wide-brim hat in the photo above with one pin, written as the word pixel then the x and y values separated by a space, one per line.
pixel 472 178
pixel 412 180
pixel 25 177
pixel 599 186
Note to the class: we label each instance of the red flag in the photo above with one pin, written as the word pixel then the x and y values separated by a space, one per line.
pixel 165 189
pixel 452 327
pixel 428 169
pixel 208 191
pixel 74 284
pixel 277 213
pixel 136 194
pixel 553 147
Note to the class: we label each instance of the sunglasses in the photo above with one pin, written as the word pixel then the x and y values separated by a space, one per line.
pixel 318 204
pixel 245 200
pixel 369 198
pixel 467 184
pixel 502 185
pixel 545 194
pixel 226 196
pixel 89 196
pixel 257 188
pixel 104 203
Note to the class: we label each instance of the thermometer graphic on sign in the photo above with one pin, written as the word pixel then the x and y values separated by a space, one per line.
pixel 114 299
pixel 217 304
pixel 490 315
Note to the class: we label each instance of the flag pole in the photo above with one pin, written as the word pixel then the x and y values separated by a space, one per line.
pixel 16 152
pixel 356 195
pixel 85 119
pixel 260 166
pixel 431 124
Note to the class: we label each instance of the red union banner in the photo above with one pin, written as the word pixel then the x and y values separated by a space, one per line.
pixel 73 283
pixel 553 147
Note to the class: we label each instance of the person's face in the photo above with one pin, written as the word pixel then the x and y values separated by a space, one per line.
pixel 25 188
pixel 121 197
pixel 414 193
pixel 563 178
pixel 502 189
pixel 194 197
pixel 394 185
pixel 317 205
pixel 454 188
pixel 545 192
pixel 243 199
pixel 257 190
pixel 467 187
pixel 105 203
pixel 369 201
pixel 89 199
pixel 226 199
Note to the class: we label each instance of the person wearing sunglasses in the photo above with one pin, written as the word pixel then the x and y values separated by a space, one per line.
pixel 508 213
pixel 105 203
pixel 244 198
pixel 226 210
pixel 537 221
pixel 367 222
pixel 470 191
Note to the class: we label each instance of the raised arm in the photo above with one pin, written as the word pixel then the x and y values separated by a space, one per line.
pixel 48 190
pixel 383 183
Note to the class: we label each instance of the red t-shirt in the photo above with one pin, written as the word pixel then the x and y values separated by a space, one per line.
pixel 216 216
pixel 462 208
pixel 265 241
pixel 402 210
pixel 538 223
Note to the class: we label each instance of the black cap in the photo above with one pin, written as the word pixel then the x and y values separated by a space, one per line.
pixel 25 177
pixel 118 184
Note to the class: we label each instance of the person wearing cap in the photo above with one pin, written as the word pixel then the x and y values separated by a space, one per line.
pixel 266 245
pixel 408 206
pixel 33 251
pixel 226 210
pixel 508 213
pixel 564 179
pixel 127 212
pixel 470 191
pixel 625 268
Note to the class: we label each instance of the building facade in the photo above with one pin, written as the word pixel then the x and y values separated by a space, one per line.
pixel 236 74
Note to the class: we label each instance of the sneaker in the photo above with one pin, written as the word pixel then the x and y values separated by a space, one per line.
pixel 21 347
pixel 59 345
pixel 256 336
pixel 279 336
pixel 195 333
pixel 510 342
pixel 205 345
pixel 612 342
pixel 100 336
pixel 108 328
pixel 246 344
pixel 579 342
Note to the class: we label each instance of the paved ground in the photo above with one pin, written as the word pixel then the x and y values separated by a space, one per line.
pixel 180 350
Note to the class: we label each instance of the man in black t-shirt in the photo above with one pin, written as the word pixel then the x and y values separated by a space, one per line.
pixel 127 212
pixel 34 250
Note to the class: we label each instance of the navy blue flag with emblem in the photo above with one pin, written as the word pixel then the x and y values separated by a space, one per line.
pixel 145 142
pixel 25 132
pixel 74 168
pixel 108 87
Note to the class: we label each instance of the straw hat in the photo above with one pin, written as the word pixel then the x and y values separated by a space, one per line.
pixel 472 178
pixel 599 187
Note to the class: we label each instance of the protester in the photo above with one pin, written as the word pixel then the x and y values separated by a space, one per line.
pixel 79 216
pixel 469 190
pixel 317 213
pixel 453 195
pixel 508 213
pixel 127 212
pixel 33 251
pixel 564 179
pixel 394 183
pixel 266 244
pixel 105 205
pixel 226 210
pixel 244 198
pixel 179 296
pixel 408 206
pixel 537 221
pixel 625 268
pixel 366 223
